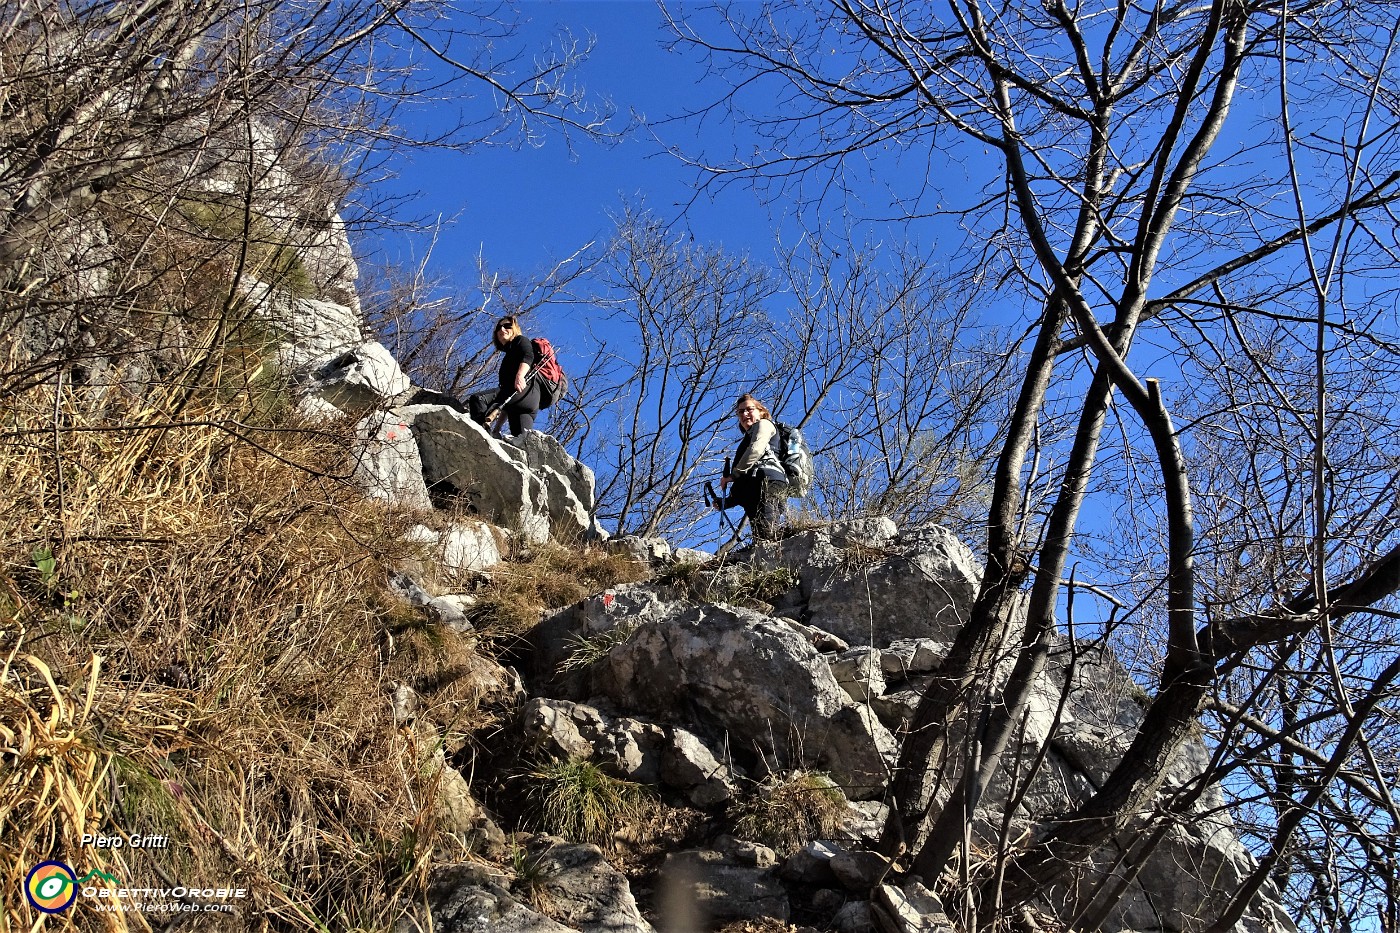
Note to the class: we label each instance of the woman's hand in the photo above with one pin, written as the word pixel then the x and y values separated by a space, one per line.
pixel 724 483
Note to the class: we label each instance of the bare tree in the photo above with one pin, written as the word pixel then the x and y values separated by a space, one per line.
pixel 687 330
pixel 890 370
pixel 1196 201
pixel 898 402
pixel 227 127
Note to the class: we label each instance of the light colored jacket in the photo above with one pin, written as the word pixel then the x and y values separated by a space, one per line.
pixel 758 453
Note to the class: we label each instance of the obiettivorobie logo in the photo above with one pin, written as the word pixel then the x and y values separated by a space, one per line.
pixel 52 886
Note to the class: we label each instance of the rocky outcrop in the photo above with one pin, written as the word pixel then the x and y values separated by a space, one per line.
pixel 768 692
pixel 563 889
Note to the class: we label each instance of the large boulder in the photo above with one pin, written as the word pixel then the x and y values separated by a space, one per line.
pixel 385 462
pixel 464 463
pixel 359 379
pixel 868 585
pixel 756 678
pixel 547 456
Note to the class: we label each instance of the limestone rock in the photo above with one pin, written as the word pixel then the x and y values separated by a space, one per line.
pixel 905 657
pixel 583 890
pixel 642 550
pixel 756 678
pixel 555 639
pixel 854 917
pixel 688 765
pixel 811 864
pixel 543 452
pixel 859 674
pixel 630 748
pixel 895 911
pixel 721 889
pixel 385 463
pixel 434 607
pixel 359 379
pixel 469 546
pixel 465 899
pixel 923 590
pixel 312 331
pixel 858 871
pixel 689 555
pixel 491 479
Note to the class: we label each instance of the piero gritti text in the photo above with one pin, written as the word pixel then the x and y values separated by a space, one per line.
pixel 133 841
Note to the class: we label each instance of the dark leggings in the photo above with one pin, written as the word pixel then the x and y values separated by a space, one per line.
pixel 521 413
pixel 762 501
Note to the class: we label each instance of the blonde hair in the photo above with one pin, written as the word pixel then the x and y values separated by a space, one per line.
pixel 509 321
pixel 746 397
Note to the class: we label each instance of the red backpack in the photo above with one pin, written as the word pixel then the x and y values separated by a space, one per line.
pixel 553 382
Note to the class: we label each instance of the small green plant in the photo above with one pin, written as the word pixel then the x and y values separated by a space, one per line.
pixel 576 799
pixel 532 873
pixel 589 649
pixel 787 812
pixel 46 564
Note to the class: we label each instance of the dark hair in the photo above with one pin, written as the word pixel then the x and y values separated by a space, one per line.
pixel 510 321
pixel 746 397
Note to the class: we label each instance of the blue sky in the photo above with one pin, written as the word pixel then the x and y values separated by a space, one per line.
pixel 523 208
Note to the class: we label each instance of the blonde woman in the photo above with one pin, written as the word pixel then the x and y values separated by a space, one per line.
pixel 757 482
pixel 514 378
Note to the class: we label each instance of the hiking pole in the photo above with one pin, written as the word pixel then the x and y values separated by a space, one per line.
pixel 499 410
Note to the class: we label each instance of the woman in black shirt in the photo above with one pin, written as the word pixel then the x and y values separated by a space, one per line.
pixel 515 376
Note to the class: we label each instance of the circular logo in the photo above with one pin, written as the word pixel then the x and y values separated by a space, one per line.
pixel 51 887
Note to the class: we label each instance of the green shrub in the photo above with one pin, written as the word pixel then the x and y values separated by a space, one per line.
pixel 578 800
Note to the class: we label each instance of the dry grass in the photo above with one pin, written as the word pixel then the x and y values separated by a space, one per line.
pixel 761 925
pixel 194 643
pixel 578 800
pixel 548 577
pixel 788 811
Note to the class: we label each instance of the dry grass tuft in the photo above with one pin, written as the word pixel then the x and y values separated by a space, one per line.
pixel 194 644
pixel 547 578
pixel 576 799
pixel 787 811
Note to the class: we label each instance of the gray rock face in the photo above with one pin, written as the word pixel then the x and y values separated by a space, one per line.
pixel 583 890
pixel 758 679
pixel 903 911
pixel 572 882
pixel 630 748
pixel 543 452
pixel 489 478
pixel 467 900
pixel 638 751
pixel 859 674
pixel 385 463
pixel 360 379
pixel 467 547
pixel 710 885
pixel 688 765
pixel 312 331
pixel 869 588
